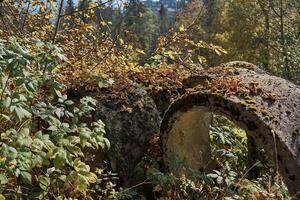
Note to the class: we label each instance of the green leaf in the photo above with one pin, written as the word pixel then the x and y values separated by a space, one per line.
pixel 220 180
pixel 37 161
pixel 24 140
pixel 69 102
pixel 30 87
pixel 26 177
pixel 3 179
pixel 22 97
pixel 182 28
pixel 5 117
pixel 21 113
pixel 9 152
pixel 213 175
pixel 258 164
pixel 60 159
pixel 44 182
pixel 38 195
pixel 107 143
pixel 12 64
pixel 6 103
pixel 80 166
pixel 52 128
pixel 89 176
pixel 20 81
pixel 74 149
pixel 58 93
pixel 54 121
pixel 25 131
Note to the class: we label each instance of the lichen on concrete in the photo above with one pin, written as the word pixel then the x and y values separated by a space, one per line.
pixel 267 107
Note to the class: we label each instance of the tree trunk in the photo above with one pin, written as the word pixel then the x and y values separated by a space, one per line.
pixel 287 74
pixel 265 7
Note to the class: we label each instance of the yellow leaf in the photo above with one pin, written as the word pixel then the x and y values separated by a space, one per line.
pixel 130 47
pixel 103 23
pixel 91 178
pixel 13 163
pixel 42 9
pixel 182 28
pixel 140 51
pixel 47 16
pixel 121 41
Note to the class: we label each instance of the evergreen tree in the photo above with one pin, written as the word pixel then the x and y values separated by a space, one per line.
pixel 163 17
pixel 70 8
pixel 83 5
pixel 105 14
pixel 143 22
pixel 211 14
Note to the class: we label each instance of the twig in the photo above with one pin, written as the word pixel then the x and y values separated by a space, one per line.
pixel 5 87
pixel 244 175
pixel 13 14
pixel 2 17
pixel 176 61
pixel 274 10
pixel 58 20
pixel 25 17
pixel 276 153
pixel 82 10
pixel 296 195
pixel 137 185
pixel 174 37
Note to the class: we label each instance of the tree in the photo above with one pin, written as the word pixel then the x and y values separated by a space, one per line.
pixel 264 32
pixel 163 19
pixel 265 9
pixel 70 8
pixel 83 5
pixel 143 23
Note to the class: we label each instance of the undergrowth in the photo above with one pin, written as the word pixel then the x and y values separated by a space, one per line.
pixel 229 179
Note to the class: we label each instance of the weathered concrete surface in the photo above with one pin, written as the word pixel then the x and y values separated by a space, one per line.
pixel 190 126
pixel 267 107
pixel 130 118
pixel 129 130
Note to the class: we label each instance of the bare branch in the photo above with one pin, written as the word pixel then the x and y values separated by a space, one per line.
pixel 83 10
pixel 25 17
pixel 58 20
pixel 274 10
pixel 2 17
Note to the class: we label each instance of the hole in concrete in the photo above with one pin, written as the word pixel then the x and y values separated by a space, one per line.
pixel 228 144
pixel 228 151
pixel 232 148
pixel 251 126
pixel 292 178
pixel 286 170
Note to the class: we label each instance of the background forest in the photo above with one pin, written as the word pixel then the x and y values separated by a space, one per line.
pixel 266 32
pixel 50 46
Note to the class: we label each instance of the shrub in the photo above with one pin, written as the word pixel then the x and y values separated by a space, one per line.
pixel 42 134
